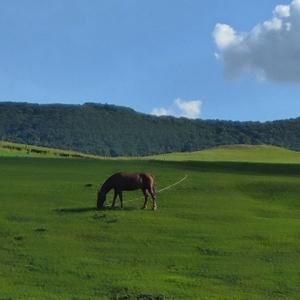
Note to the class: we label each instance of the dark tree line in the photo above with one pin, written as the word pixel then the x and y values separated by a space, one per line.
pixel 111 130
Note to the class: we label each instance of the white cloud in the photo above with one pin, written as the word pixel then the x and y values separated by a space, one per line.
pixel 189 109
pixel 274 24
pixel 282 11
pixel 181 108
pixel 271 49
pixel 224 35
pixel 161 111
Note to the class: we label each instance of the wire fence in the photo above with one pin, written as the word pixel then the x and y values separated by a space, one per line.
pixel 164 188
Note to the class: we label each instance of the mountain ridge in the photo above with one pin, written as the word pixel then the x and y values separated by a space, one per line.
pixel 112 130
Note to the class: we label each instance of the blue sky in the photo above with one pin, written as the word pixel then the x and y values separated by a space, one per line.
pixel 145 55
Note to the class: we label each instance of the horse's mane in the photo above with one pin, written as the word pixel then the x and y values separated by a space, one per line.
pixel 105 185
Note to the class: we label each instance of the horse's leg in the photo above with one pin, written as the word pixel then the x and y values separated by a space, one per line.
pixel 114 200
pixel 121 198
pixel 146 198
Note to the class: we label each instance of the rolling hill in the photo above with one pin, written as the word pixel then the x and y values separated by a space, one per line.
pixel 109 130
pixel 22 150
pixel 226 153
pixel 236 153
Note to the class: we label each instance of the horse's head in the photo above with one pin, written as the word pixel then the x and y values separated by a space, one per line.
pixel 101 197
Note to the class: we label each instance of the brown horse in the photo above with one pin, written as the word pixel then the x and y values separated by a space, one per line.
pixel 120 182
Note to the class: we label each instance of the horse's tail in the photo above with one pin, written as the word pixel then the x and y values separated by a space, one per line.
pixel 153 190
pixel 152 184
pixel 146 181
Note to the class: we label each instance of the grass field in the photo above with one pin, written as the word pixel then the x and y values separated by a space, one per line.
pixel 234 153
pixel 230 231
pixel 245 153
pixel 23 150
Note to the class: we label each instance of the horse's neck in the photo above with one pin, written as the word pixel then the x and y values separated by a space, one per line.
pixel 106 187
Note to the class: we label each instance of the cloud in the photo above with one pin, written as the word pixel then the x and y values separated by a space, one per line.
pixel 224 36
pixel 160 111
pixel 181 108
pixel 271 49
pixel 189 109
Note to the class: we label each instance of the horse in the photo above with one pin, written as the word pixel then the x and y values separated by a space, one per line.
pixel 122 181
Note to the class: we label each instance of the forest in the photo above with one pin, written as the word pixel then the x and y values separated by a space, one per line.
pixel 110 130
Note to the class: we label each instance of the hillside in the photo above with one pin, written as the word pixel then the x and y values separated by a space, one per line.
pixel 109 130
pixel 229 153
pixel 238 153
pixel 9 149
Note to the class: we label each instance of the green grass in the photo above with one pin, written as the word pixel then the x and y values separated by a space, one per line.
pixel 22 150
pixel 245 153
pixel 234 153
pixel 230 231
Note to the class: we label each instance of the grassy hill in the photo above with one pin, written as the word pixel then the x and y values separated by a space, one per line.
pixel 109 130
pixel 22 150
pixel 230 231
pixel 239 153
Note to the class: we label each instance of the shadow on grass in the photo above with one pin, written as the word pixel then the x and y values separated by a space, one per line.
pixel 281 169
pixel 88 209
pixel 75 209
pixel 117 208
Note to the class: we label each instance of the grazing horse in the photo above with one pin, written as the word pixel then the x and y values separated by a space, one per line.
pixel 120 182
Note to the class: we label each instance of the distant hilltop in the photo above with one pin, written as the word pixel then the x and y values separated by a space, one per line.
pixel 110 130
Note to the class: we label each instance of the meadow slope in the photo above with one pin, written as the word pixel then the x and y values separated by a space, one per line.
pixel 24 150
pixel 230 231
pixel 234 153
pixel 241 153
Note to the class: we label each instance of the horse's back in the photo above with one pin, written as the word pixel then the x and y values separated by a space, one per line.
pixel 132 181
pixel 126 181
